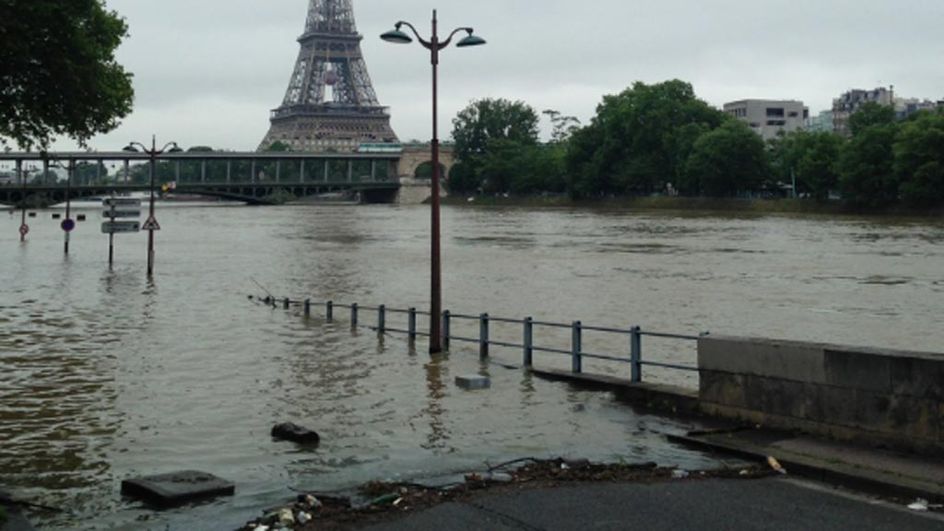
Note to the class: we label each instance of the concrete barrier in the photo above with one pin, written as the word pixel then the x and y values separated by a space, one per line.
pixel 885 397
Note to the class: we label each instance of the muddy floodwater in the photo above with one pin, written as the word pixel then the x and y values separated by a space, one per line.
pixel 106 375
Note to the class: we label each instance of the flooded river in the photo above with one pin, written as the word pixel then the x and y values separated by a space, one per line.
pixel 107 375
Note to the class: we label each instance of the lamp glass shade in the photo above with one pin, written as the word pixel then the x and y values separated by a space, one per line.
pixel 396 36
pixel 471 40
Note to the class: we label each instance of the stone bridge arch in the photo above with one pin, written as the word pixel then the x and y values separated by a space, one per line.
pixel 415 155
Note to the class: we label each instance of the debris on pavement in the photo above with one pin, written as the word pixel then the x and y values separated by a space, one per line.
pixel 384 501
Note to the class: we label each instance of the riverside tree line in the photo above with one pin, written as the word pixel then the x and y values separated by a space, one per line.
pixel 658 139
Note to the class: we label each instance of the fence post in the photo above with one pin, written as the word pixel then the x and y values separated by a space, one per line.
pixel 381 319
pixel 307 307
pixel 577 347
pixel 446 325
pixel 529 342
pixel 354 315
pixel 635 354
pixel 412 327
pixel 329 311
pixel 483 336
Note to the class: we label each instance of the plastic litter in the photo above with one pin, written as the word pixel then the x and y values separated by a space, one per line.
pixel 774 464
pixel 679 474
pixel 385 500
pixel 303 518
pixel 919 505
pixel 286 518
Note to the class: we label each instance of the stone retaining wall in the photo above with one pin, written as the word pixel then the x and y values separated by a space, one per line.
pixel 886 397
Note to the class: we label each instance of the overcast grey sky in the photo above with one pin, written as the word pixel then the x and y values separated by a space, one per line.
pixel 207 72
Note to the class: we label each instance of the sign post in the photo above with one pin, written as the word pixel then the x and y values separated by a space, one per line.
pixel 124 208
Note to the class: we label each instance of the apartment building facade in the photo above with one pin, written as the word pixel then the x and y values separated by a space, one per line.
pixel 770 118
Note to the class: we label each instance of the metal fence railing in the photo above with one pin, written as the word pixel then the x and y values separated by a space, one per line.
pixel 575 350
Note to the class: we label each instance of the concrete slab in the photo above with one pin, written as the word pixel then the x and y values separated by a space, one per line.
pixel 473 382
pixel 177 488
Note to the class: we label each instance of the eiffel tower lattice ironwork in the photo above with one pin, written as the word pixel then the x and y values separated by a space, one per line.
pixel 330 104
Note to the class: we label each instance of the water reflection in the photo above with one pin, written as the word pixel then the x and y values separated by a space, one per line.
pixel 434 413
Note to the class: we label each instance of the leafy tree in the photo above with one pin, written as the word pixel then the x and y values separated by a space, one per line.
pixel 58 74
pixel 727 160
pixel 279 147
pixel 919 159
pixel 493 119
pixel 463 179
pixel 639 139
pixel 869 115
pixel 510 167
pixel 563 126
pixel 811 158
pixel 867 176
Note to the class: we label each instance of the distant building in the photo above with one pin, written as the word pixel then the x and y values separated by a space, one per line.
pixel 821 123
pixel 770 118
pixel 849 103
pixel 7 178
pixel 906 107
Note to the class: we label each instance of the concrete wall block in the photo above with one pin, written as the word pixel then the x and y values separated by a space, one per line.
pixel 789 360
pixel 779 397
pixel 723 388
pixel 857 370
pixel 919 378
pixel 912 417
pixel 843 407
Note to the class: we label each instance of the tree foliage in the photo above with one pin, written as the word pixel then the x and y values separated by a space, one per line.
pixel 651 136
pixel 919 159
pixel 497 147
pixel 811 159
pixel 639 139
pixel 58 74
pixel 870 114
pixel 726 161
pixel 867 177
pixel 487 120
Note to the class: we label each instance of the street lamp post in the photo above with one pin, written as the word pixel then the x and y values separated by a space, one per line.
pixel 434 45
pixel 151 224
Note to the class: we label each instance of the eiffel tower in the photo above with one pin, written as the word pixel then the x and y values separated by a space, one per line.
pixel 330 104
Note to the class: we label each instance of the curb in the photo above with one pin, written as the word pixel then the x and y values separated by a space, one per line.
pixel 817 472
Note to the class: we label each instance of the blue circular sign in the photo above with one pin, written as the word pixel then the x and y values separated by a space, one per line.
pixel 68 225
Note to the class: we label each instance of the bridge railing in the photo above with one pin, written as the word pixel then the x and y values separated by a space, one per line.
pixel 530 337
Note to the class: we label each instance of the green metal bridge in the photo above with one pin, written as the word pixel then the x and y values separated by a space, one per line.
pixel 255 178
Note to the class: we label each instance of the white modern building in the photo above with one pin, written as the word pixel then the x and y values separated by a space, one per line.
pixel 770 118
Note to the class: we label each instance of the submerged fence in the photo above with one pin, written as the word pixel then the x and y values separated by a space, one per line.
pixel 632 336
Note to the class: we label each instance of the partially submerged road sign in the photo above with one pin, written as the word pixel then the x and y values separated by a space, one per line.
pixel 115 213
pixel 151 224
pixel 121 202
pixel 68 225
pixel 116 227
pixel 24 229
